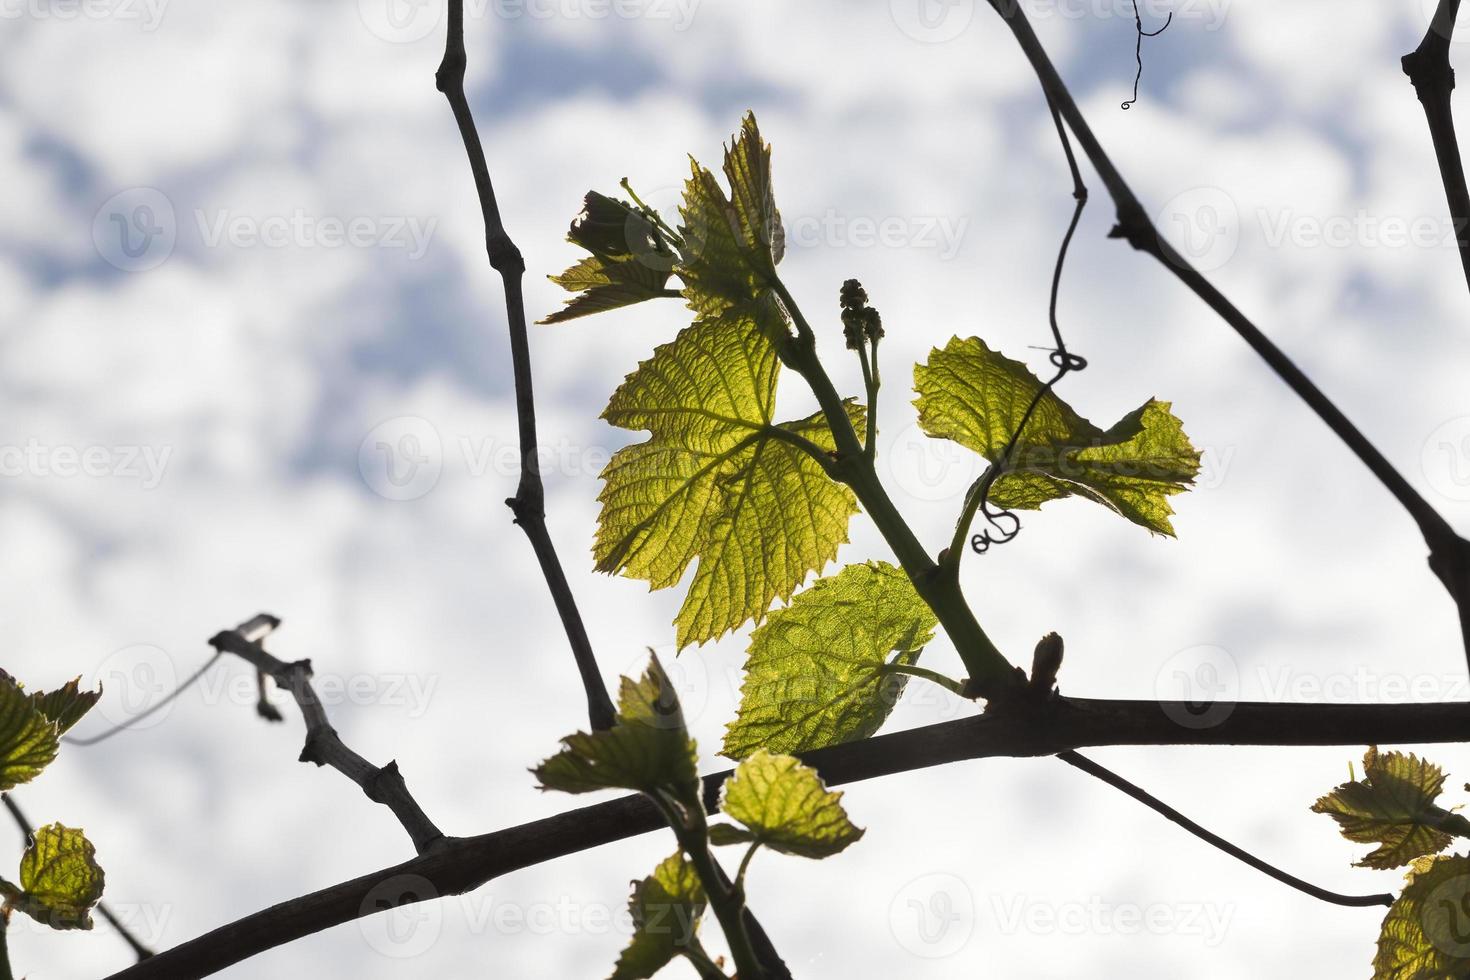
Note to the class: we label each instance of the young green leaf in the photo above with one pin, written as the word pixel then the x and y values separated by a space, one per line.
pixel 818 672
pixel 648 750
pixel 66 705
pixel 785 807
pixel 28 739
pixel 978 397
pixel 60 879
pixel 1393 806
pixel 731 248
pixel 666 908
pixel 748 169
pixel 1426 934
pixel 717 481
pixel 629 262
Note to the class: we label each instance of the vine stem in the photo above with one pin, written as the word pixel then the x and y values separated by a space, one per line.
pixel 1449 554
pixel 5 971
pixel 701 962
pixel 932 676
pixel 529 503
pixel 724 897
pixel 1116 781
pixel 991 675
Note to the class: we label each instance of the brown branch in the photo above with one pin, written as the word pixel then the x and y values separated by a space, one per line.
pixel 1143 796
pixel 1428 68
pixel 463 864
pixel 1449 554
pixel 529 503
pixel 323 746
pixel 140 950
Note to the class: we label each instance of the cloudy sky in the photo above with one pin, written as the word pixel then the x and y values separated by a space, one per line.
pixel 239 250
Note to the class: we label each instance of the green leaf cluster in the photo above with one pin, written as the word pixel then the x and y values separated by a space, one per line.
pixel 776 801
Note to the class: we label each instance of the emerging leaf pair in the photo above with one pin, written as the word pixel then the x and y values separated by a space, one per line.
pixel 774 801
pixel 1426 934
pixel 60 880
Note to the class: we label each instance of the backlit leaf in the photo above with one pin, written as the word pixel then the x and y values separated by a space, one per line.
pixel 28 739
pixel 1426 934
pixel 665 907
pixel 978 397
pixel 66 705
pixel 785 807
pixel 630 259
pixel 649 749
pixel 60 880
pixel 1393 805
pixel 716 481
pixel 817 671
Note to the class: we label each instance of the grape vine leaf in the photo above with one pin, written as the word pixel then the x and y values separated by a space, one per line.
pixel 1393 806
pixel 29 740
pixel 66 705
pixel 629 262
pixel 665 908
pixel 718 481
pixel 60 880
pixel 1426 934
pixel 978 397
pixel 818 671
pixel 784 806
pixel 648 749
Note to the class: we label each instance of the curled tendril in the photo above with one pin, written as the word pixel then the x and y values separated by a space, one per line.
pixel 1004 525
pixel 1138 48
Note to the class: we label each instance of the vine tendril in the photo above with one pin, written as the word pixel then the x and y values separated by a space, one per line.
pixel 1003 523
pixel 1138 47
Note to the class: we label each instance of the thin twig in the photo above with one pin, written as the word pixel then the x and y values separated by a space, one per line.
pixel 463 864
pixel 1428 68
pixel 27 829
pixel 529 503
pixel 153 708
pixel 324 747
pixel 978 497
pixel 1153 803
pixel 1449 554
